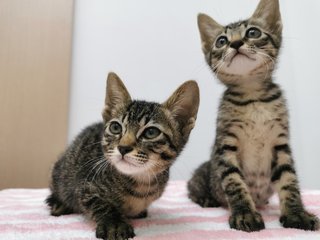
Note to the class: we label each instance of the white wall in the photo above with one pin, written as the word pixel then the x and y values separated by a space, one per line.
pixel 154 46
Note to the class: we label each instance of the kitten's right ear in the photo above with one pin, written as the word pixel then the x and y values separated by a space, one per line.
pixel 209 30
pixel 183 105
pixel 117 96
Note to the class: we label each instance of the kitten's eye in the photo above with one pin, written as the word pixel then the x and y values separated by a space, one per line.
pixel 253 33
pixel 151 132
pixel 221 41
pixel 115 128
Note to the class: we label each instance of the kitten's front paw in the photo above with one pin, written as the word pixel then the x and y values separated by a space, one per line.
pixel 115 231
pixel 301 220
pixel 248 221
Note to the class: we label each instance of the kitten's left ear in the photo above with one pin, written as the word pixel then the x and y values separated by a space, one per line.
pixel 183 105
pixel 209 29
pixel 269 12
pixel 117 96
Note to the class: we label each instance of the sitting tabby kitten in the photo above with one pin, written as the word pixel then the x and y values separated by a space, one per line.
pixel 251 156
pixel 114 170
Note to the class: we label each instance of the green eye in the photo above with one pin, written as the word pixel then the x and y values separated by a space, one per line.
pixel 253 33
pixel 115 128
pixel 151 132
pixel 221 41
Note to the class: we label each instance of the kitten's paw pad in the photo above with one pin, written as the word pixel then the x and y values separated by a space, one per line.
pixel 246 221
pixel 205 201
pixel 115 231
pixel 301 220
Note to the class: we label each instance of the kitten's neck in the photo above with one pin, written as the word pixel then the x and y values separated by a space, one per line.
pixel 151 177
pixel 148 178
pixel 247 83
pixel 252 89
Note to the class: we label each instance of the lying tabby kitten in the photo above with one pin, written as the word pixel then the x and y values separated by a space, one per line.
pixel 114 170
pixel 251 156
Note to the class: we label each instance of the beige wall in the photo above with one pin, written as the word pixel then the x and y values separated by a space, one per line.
pixel 35 54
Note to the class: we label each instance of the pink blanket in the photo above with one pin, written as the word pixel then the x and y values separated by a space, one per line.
pixel 23 215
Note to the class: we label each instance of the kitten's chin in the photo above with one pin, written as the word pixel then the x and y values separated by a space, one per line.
pixel 240 63
pixel 128 166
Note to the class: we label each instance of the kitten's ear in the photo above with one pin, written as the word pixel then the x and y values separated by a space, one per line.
pixel 268 13
pixel 209 30
pixel 183 105
pixel 117 96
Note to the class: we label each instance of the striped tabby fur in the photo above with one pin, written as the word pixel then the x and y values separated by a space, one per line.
pixel 113 170
pixel 251 156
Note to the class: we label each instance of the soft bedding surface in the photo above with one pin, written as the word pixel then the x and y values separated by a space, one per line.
pixel 23 215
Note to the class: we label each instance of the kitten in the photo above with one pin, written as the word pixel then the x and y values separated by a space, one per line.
pixel 115 169
pixel 251 156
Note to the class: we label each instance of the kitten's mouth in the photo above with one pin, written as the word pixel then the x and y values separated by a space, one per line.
pixel 129 165
pixel 239 55
pixel 130 161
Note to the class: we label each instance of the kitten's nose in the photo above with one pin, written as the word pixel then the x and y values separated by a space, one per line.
pixel 124 149
pixel 236 44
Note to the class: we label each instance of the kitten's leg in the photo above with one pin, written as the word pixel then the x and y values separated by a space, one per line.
pixel 111 224
pixel 293 213
pixel 199 187
pixel 57 208
pixel 244 215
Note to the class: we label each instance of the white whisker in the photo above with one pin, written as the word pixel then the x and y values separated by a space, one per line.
pixel 93 160
pixel 97 164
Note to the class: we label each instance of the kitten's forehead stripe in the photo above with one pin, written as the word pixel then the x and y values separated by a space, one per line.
pixel 141 110
pixel 236 25
pixel 142 121
pixel 124 118
pixel 235 30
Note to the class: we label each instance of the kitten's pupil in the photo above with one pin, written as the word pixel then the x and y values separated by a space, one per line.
pixel 115 128
pixel 221 42
pixel 253 33
pixel 151 132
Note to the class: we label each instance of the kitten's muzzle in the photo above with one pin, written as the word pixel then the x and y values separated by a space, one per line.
pixel 237 52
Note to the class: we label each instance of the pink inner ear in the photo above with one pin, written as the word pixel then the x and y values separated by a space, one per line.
pixel 116 93
pixel 185 102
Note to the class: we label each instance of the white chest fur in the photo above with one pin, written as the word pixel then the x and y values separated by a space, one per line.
pixel 144 195
pixel 133 206
pixel 257 136
pixel 256 140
